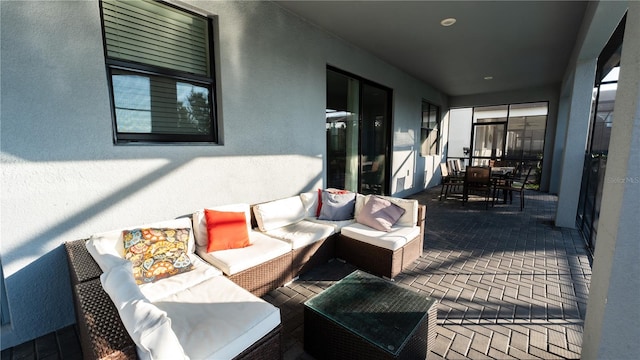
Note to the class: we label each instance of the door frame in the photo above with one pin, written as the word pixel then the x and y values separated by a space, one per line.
pixel 388 136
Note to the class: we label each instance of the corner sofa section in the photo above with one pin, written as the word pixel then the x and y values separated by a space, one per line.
pixel 177 317
pixel 287 239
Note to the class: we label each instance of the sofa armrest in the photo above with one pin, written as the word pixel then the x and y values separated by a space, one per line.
pixel 82 267
pixel 102 333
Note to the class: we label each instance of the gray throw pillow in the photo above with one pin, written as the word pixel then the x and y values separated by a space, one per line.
pixel 379 214
pixel 337 207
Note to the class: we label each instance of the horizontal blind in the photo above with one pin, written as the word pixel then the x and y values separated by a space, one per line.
pixel 155 34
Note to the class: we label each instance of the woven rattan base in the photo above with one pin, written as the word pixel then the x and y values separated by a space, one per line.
pixel 270 275
pixel 102 334
pixel 312 255
pixel 377 260
pixel 267 348
pixel 82 267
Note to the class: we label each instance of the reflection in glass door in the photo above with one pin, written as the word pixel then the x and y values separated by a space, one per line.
pixel 488 142
pixel 373 142
pixel 342 125
pixel 358 134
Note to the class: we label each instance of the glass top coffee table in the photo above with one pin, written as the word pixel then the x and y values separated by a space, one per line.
pixel 366 317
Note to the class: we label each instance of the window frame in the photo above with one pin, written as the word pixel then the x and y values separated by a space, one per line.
pixel 5 316
pixel 147 70
pixel 426 129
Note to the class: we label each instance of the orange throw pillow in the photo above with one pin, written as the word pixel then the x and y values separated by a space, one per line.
pixel 226 230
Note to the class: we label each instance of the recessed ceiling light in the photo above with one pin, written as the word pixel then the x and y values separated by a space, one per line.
pixel 448 21
pixel 488 77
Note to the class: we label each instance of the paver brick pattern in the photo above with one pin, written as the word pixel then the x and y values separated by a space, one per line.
pixel 509 284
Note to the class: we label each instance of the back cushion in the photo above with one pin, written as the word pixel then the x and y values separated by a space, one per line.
pixel 278 213
pixel 310 202
pixel 337 207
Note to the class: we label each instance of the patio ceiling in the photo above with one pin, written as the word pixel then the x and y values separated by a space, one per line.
pixel 519 44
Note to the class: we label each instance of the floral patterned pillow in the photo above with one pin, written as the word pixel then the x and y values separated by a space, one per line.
pixel 156 253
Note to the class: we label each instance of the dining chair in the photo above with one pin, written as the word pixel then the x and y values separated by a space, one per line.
pixel 458 165
pixel 451 167
pixel 448 180
pixel 509 187
pixel 477 180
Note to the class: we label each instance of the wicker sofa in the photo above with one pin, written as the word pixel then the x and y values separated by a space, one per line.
pixel 104 335
pixel 197 303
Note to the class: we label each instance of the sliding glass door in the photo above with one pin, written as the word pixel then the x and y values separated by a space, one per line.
pixel 602 119
pixel 358 123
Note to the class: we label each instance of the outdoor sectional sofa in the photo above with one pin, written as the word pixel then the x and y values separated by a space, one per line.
pixel 215 310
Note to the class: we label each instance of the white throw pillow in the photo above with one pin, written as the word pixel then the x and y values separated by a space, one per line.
pixel 380 214
pixel 410 216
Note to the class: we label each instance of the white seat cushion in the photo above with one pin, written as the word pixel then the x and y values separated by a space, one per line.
pixel 394 239
pixel 173 284
pixel 337 225
pixel 302 233
pixel 218 319
pixel 262 249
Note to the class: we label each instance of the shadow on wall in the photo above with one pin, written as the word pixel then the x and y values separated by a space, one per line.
pixel 40 293
pixel 44 288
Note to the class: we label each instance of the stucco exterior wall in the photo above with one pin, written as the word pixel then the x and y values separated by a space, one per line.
pixel 63 178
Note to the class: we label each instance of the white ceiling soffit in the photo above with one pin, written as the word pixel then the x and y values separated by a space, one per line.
pixel 517 44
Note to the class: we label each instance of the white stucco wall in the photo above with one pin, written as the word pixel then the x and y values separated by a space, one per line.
pixel 63 179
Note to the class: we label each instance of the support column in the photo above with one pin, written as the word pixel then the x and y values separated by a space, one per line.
pixel 558 144
pixel 611 326
pixel 575 142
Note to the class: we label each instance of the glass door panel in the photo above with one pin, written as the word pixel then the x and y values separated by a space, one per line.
pixel 374 139
pixel 358 130
pixel 488 142
pixel 342 125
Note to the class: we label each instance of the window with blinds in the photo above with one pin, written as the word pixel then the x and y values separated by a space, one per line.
pixel 159 60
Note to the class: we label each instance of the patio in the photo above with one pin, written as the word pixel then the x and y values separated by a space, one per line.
pixel 508 283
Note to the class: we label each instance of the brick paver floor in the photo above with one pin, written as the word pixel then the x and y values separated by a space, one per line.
pixel 509 284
